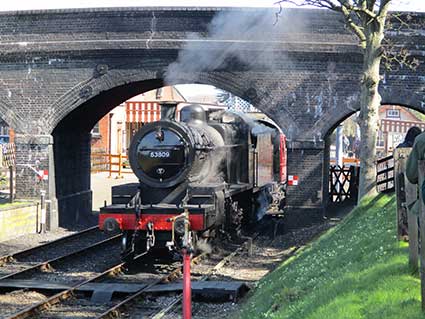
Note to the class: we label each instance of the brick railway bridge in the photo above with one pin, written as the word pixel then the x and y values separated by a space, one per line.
pixel 62 70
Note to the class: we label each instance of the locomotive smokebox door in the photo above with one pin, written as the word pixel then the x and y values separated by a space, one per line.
pixel 161 155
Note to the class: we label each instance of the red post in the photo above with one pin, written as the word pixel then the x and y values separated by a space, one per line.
pixel 187 290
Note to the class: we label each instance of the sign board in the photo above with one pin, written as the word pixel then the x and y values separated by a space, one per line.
pixel 292 180
pixel 43 175
pixel 394 139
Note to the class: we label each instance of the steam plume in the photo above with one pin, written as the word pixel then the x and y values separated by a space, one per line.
pixel 233 36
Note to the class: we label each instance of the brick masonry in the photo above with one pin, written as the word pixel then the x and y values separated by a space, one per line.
pixel 62 70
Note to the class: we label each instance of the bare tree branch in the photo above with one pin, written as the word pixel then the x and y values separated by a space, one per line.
pixel 360 8
pixel 357 14
pixel 326 4
pixel 395 57
pixel 358 30
pixel 384 7
pixel 368 21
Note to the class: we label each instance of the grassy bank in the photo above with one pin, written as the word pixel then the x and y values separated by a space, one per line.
pixel 7 205
pixel 356 270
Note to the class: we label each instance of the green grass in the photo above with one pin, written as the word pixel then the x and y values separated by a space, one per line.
pixel 4 206
pixel 356 270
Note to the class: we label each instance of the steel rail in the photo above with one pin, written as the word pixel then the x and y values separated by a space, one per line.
pixel 50 263
pixel 63 295
pixel 16 255
pixel 205 277
pixel 115 311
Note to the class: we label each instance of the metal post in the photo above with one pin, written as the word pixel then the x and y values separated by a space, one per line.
pixel 11 186
pixel 339 146
pixel 187 251
pixel 339 160
pixel 187 289
pixel 43 211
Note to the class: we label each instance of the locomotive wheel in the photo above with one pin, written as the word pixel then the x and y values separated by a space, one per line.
pixel 132 245
pixel 127 251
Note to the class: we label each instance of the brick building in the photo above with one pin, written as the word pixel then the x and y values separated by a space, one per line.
pixel 394 122
pixel 113 133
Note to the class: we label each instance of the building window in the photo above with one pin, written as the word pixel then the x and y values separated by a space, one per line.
pixel 380 142
pixel 95 132
pixel 393 114
pixel 4 130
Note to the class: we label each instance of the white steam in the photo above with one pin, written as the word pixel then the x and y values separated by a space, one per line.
pixel 203 246
pixel 249 38
pixel 263 202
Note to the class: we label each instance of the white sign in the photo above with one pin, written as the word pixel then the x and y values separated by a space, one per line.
pixel 394 139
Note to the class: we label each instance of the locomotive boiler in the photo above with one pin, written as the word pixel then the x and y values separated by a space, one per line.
pixel 225 168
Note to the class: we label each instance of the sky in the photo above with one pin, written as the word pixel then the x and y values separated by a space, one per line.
pixel 403 5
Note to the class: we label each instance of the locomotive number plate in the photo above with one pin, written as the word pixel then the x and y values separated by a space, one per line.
pixel 159 154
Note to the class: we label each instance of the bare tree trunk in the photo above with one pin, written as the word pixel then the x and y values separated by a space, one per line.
pixel 369 111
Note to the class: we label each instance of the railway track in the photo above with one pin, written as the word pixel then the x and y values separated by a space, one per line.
pixel 132 306
pixel 119 310
pixel 36 309
pixel 174 303
pixel 43 256
pixel 71 301
pixel 26 258
pixel 72 268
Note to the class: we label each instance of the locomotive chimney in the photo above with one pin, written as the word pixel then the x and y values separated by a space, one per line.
pixel 168 110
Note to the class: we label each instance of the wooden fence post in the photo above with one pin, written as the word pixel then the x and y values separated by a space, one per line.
pixel 400 189
pixel 11 186
pixel 119 166
pixel 421 174
pixel 110 165
pixel 412 221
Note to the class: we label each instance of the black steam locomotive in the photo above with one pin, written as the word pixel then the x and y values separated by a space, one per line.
pixel 225 168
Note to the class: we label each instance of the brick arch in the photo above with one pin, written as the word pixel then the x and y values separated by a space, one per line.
pixel 83 105
pixel 332 125
pixel 391 95
pixel 83 94
pixel 406 98
pixel 330 121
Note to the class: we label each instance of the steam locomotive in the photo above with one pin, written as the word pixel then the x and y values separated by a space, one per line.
pixel 227 169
